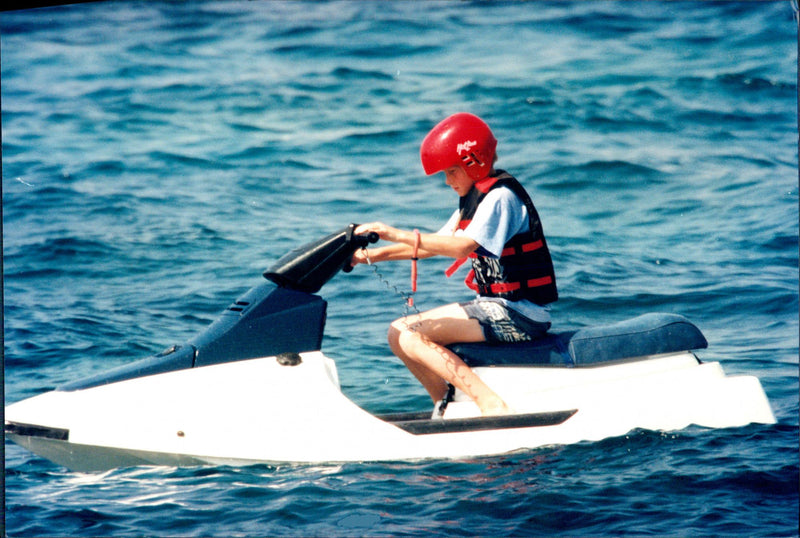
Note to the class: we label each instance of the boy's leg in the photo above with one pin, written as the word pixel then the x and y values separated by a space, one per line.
pixel 419 342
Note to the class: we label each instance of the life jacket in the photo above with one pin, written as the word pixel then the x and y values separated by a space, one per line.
pixel 524 269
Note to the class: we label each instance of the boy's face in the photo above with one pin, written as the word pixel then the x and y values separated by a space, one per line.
pixel 458 180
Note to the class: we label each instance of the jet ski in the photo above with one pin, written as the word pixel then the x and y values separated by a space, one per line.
pixel 255 387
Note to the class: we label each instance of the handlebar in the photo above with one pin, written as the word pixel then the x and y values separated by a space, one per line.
pixel 309 267
pixel 365 239
pixel 358 241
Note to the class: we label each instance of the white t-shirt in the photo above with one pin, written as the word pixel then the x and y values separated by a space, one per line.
pixel 500 216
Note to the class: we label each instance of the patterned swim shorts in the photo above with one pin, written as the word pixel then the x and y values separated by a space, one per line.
pixel 503 324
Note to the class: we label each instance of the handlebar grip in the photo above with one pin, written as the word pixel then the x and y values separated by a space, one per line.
pixel 361 240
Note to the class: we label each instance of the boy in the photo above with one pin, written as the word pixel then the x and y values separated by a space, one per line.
pixel 497 226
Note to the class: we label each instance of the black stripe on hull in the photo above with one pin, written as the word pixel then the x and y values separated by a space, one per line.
pixel 414 423
pixel 33 430
pixel 422 424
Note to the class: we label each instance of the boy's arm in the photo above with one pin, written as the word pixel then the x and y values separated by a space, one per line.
pixel 429 245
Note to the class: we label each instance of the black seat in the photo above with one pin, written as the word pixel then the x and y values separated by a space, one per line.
pixel 649 334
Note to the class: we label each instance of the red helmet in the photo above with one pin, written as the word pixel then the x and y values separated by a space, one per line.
pixel 459 140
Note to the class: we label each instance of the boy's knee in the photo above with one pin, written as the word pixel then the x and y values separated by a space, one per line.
pixel 397 330
pixel 393 335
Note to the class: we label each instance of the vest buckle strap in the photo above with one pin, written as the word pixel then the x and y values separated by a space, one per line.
pixel 458 263
pixel 454 267
pixel 530 247
pixel 507 287
pixel 536 282
pixel 521 249
pixel 470 281
pixel 504 287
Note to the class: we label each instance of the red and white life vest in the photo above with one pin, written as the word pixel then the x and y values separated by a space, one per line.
pixel 524 269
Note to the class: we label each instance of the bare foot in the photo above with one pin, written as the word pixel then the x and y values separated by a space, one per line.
pixel 493 407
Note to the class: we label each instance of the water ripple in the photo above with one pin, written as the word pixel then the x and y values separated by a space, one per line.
pixel 158 156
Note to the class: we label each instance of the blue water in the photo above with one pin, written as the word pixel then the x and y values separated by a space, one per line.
pixel 158 156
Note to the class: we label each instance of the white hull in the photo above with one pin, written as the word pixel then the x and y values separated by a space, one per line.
pixel 239 393
pixel 259 411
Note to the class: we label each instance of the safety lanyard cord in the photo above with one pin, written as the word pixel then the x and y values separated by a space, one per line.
pixel 408 302
pixel 414 260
